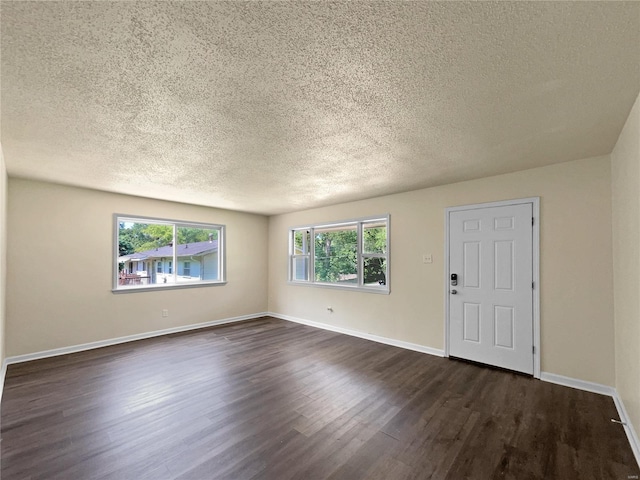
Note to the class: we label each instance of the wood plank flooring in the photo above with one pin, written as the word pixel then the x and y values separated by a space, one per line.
pixel 269 399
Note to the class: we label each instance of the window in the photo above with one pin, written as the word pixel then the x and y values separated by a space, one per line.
pixel 336 255
pixel 349 254
pixel 301 254
pixel 196 249
pixel 374 253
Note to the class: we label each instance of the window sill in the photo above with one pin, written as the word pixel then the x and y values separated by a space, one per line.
pixel 146 288
pixel 355 288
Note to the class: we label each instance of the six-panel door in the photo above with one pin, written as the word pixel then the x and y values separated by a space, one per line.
pixel 491 312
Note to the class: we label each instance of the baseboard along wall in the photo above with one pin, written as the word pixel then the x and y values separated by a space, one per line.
pixel 3 374
pixel 603 390
pixel 367 336
pixel 544 376
pixel 129 338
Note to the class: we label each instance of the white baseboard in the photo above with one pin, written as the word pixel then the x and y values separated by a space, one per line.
pixel 367 336
pixel 603 390
pixel 544 376
pixel 579 384
pixel 129 338
pixel 628 427
pixel 3 374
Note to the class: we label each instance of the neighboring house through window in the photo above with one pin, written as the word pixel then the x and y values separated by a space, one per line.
pixel 196 249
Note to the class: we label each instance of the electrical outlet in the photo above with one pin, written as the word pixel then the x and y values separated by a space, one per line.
pixel 427 258
pixel 165 312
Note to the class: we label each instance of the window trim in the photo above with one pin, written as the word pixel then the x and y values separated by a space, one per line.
pixel 386 290
pixel 117 217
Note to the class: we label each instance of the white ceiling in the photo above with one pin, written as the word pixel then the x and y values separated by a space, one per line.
pixel 272 107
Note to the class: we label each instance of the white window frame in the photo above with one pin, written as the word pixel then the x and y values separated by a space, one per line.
pixel 293 256
pixel 222 264
pixel 358 222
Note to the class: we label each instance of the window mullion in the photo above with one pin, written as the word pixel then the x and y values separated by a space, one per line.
pixel 293 249
pixel 312 256
pixel 359 251
pixel 222 245
pixel 175 254
pixel 292 243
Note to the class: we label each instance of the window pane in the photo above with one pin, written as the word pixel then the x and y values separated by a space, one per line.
pixel 374 236
pixel 164 252
pixel 336 255
pixel 197 254
pixel 139 245
pixel 352 253
pixel 301 242
pixel 375 271
pixel 301 269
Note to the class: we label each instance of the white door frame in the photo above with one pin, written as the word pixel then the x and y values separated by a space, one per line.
pixel 535 203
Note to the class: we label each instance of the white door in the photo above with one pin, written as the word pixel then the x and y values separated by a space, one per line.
pixel 491 307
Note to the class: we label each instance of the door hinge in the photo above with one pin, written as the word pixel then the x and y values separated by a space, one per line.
pixel 533 349
pixel 533 284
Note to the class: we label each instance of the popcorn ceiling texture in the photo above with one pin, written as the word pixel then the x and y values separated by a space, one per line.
pixel 272 107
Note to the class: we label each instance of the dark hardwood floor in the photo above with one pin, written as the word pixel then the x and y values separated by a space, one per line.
pixel 269 399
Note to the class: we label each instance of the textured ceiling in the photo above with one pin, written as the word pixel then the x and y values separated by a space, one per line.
pixel 271 107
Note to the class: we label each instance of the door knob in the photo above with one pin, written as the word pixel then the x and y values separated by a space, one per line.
pixel 453 292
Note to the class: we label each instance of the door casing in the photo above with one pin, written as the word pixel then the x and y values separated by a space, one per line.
pixel 535 204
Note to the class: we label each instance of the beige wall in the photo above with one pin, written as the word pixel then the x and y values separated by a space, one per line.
pixel 3 254
pixel 60 248
pixel 625 181
pixel 60 269
pixel 576 265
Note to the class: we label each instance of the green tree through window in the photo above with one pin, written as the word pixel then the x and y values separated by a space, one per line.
pixel 336 256
pixel 353 254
